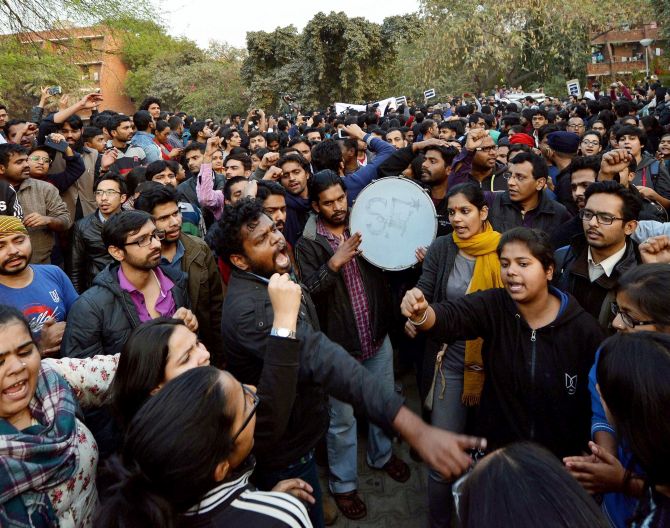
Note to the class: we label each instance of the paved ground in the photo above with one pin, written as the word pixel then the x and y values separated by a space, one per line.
pixel 391 504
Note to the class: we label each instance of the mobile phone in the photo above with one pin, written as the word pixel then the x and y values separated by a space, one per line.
pixel 342 134
pixel 54 90
pixel 60 146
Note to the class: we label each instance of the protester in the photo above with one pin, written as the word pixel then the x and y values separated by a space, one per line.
pixel 192 256
pixel 538 343
pixel 251 244
pixel 520 484
pixel 448 272
pixel 640 306
pixel 89 254
pixel 42 292
pixel 202 411
pixel 354 310
pixel 41 207
pixel 477 162
pixel 48 456
pixel 591 265
pixel 632 373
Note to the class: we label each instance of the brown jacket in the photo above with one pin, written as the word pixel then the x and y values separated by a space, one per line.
pixel 36 196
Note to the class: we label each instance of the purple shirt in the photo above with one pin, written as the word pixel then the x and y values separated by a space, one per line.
pixel 165 305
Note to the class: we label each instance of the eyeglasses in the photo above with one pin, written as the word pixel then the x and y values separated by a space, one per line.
pixel 109 193
pixel 590 143
pixel 255 401
pixel 146 239
pixel 626 318
pixel 573 125
pixel 45 159
pixel 603 218
pixel 509 176
pixel 490 148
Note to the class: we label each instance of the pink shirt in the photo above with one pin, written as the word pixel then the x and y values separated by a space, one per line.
pixel 165 305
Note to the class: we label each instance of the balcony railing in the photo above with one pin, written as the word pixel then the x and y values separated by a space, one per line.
pixel 612 68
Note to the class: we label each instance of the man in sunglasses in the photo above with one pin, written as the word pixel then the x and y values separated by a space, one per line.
pixel 590 267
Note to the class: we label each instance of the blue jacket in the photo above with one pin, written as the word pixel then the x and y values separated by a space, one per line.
pixel 363 176
pixel 145 141
pixel 617 507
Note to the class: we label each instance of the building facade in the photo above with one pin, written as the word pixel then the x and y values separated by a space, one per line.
pixel 96 53
pixel 620 52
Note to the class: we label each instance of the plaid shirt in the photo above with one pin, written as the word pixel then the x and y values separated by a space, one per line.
pixel 359 299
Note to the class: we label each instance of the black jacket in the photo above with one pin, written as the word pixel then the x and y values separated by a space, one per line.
pixel 89 254
pixel 102 318
pixel 504 214
pixel 330 295
pixel 572 276
pixel 325 368
pixel 436 268
pixel 536 384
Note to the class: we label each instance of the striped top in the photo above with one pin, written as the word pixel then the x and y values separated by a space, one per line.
pixel 236 503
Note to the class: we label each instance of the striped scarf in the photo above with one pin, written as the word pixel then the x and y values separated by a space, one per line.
pixel 39 457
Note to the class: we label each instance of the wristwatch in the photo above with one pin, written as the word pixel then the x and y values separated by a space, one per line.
pixel 283 332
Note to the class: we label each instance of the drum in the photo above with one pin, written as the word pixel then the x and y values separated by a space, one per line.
pixel 395 216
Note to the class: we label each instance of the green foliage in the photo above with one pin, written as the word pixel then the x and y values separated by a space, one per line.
pixel 25 68
pixel 476 44
pixel 335 58
pixel 186 78
pixel 58 16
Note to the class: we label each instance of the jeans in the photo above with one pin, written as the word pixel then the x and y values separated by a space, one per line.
pixel 342 440
pixel 304 469
pixel 450 414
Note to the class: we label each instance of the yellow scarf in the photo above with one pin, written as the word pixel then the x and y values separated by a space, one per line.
pixel 485 276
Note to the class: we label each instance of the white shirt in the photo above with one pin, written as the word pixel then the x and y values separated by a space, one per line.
pixel 604 267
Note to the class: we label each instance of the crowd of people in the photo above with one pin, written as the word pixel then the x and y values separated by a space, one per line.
pixel 190 324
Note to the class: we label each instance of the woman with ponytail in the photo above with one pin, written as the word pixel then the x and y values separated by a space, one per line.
pixel 186 462
pixel 462 262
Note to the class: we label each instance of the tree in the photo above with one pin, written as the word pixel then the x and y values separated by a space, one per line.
pixel 476 44
pixel 26 68
pixel 335 58
pixel 183 76
pixel 59 16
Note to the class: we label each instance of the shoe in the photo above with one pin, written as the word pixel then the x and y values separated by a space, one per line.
pixel 397 469
pixel 351 505
pixel 330 514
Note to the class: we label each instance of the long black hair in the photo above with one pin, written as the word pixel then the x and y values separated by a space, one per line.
pixel 633 373
pixel 141 366
pixel 171 450
pixel 524 485
pixel 648 287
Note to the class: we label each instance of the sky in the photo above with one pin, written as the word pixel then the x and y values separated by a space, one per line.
pixel 229 21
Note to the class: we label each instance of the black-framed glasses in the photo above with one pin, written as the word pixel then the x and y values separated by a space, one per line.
pixel 256 400
pixel 603 218
pixel 490 148
pixel 626 318
pixel 145 240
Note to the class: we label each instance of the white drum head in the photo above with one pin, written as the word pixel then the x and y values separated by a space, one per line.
pixel 395 216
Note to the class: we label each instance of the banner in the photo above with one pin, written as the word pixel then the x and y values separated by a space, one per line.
pixel 429 94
